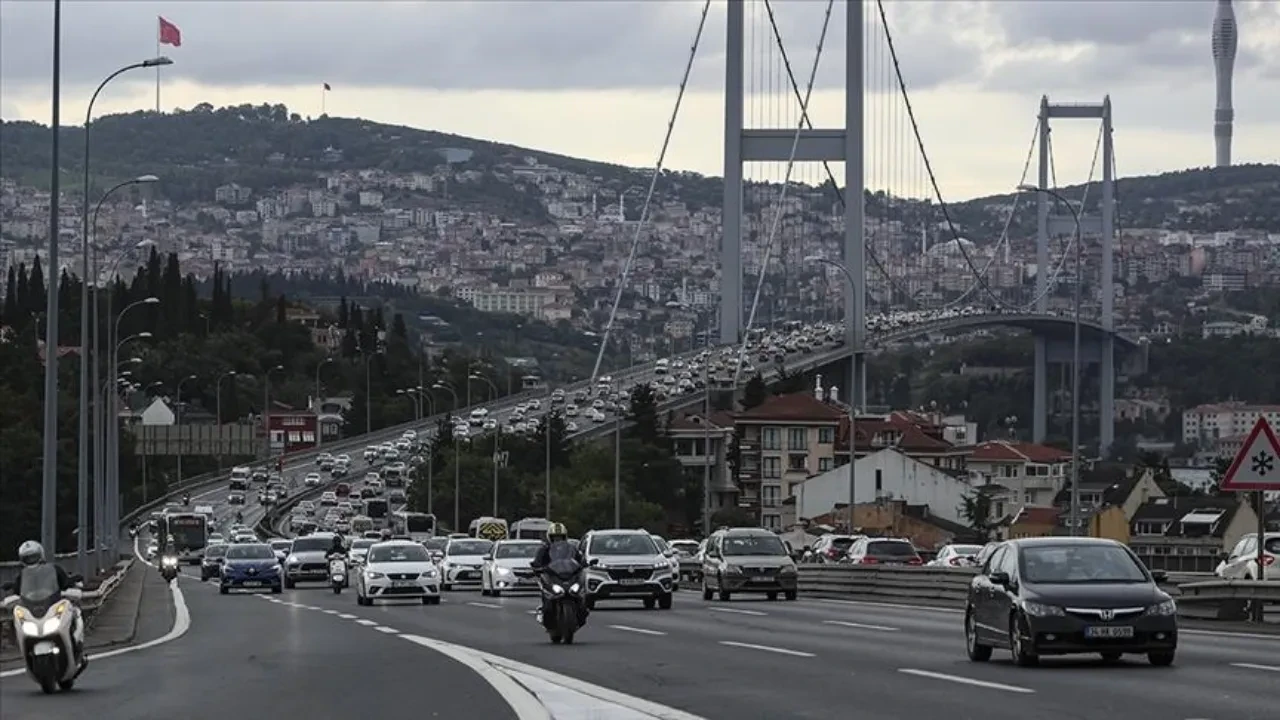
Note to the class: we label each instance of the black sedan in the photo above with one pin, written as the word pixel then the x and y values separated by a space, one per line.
pixel 1067 596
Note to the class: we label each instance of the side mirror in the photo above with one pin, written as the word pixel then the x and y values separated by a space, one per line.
pixel 1160 576
pixel 669 553
pixel 1224 557
pixel 593 562
pixel 1000 578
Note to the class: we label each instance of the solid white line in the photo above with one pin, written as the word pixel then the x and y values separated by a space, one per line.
pixel 736 611
pixel 642 631
pixel 387 630
pixel 346 616
pixel 484 605
pixel 1230 634
pixel 1255 666
pixel 367 623
pixel 181 623
pixel 766 648
pixel 894 606
pixel 860 626
pixel 965 680
pixel 523 703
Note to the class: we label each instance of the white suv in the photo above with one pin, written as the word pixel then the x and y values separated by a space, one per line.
pixel 398 570
pixel 1242 562
pixel 627 564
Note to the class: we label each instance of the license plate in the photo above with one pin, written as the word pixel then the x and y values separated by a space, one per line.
pixel 403 583
pixel 630 581
pixel 1109 631
pixel 252 583
pixel 762 578
pixel 468 575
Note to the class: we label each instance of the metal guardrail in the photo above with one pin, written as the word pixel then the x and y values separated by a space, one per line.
pixel 1197 598
pixel 90 600
pixel 67 561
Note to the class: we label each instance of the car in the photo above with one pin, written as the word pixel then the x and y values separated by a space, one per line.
pixel 281 547
pixel 342 490
pixel 506 567
pixel 360 549
pixel 397 569
pixel 1065 596
pixel 747 560
pixel 955 556
pixel 397 496
pixel 307 560
pixel 672 560
pixel 463 558
pixel 251 566
pixel 211 563
pixel 244 538
pixel 235 498
pixel 627 564
pixel 311 480
pixel 215 538
pixel 882 551
pixel 328 498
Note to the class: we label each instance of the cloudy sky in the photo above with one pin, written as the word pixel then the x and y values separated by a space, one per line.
pixel 598 79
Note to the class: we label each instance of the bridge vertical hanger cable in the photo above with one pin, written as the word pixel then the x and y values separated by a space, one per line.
pixel 782 193
pixel 826 166
pixel 653 184
pixel 1069 244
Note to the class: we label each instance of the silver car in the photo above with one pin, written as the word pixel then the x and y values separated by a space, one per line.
pixel 307 561
pixel 627 564
pixel 506 568
pixel 463 559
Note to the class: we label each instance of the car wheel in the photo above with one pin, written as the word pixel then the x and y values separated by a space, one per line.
pixel 1023 655
pixel 224 589
pixel 664 601
pixel 276 589
pixel 650 603
pixel 725 595
pixel 446 587
pixel 706 591
pixel 495 593
pixel 791 595
pixel 977 651
pixel 1163 658
pixel 771 596
pixel 1111 656
pixel 433 600
pixel 288 583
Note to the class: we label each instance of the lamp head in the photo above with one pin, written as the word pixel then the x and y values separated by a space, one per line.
pixel 143 335
pixel 157 61
pixel 814 258
pixel 146 179
pixel 145 244
pixel 151 300
pixel 1027 187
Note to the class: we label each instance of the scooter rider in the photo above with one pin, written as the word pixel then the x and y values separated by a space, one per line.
pixel 337 549
pixel 30 554
pixel 556 547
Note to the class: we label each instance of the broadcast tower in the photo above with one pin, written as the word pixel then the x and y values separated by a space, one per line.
pixel 1224 60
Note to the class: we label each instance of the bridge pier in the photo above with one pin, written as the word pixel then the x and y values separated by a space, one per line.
pixel 1095 351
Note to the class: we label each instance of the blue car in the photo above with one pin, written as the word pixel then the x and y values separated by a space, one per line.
pixel 251 566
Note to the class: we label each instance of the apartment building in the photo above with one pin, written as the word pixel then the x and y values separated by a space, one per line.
pixel 1028 474
pixel 701 444
pixel 1205 425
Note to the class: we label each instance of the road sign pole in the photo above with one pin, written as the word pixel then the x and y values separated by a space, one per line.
pixel 1260 506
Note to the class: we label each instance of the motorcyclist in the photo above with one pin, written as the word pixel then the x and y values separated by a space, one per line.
pixel 186 498
pixel 556 547
pixel 336 549
pixel 31 554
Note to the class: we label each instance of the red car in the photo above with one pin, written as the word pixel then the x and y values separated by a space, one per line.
pixel 342 489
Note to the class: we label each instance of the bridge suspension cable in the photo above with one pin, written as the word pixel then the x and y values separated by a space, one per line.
pixel 653 184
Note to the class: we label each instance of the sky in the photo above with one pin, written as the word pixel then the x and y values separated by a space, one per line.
pixel 598 79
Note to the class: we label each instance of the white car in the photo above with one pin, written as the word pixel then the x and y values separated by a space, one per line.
pixel 329 498
pixel 312 480
pixel 463 559
pixel 672 560
pixel 506 568
pixel 360 550
pixel 371 453
pixel 398 569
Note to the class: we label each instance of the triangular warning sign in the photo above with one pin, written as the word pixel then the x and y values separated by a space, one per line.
pixel 1257 465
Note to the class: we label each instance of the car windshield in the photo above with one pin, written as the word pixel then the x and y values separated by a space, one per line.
pixel 215 551
pixel 468 547
pixel 250 552
pixel 409 552
pixel 516 550
pixel 891 549
pixel 281 544
pixel 753 545
pixel 619 544
pixel 1095 563
pixel 435 544
pixel 312 544
pixel 362 544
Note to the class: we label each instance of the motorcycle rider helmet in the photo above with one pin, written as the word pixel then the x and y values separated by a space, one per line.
pixel 556 531
pixel 337 545
pixel 31 553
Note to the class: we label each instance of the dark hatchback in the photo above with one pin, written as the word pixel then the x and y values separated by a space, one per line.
pixel 252 566
pixel 211 564
pixel 1068 596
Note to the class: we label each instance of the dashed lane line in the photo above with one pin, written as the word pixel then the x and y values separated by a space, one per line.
pixel 960 679
pixel 346 616
pixel 639 631
pixel 387 630
pixel 737 611
pixel 767 648
pixel 1255 666
pixel 366 623
pixel 491 606
pixel 860 626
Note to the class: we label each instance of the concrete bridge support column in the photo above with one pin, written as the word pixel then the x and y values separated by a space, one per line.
pixel 1040 391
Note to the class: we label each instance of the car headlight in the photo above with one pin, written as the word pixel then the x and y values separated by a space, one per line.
pixel 557 589
pixel 733 569
pixel 1041 610
pixel 502 571
pixel 271 570
pixel 575 587
pixel 1168 607
pixel 662 564
pixel 373 575
pixel 429 573
pixel 292 560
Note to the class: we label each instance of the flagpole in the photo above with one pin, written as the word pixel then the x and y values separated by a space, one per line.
pixel 324 97
pixel 157 66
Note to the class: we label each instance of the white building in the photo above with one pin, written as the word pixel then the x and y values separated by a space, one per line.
pixel 887 474
pixel 159 413
pixel 1205 424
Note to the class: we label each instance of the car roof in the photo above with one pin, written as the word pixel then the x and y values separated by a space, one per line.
pixel 518 541
pixel 393 543
pixel 1056 540
pixel 747 531
pixel 620 531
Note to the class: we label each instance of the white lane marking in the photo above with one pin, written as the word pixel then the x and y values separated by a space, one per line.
pixel 766 648
pixel 895 606
pixel 366 623
pixel 346 616
pixel 859 626
pixel 965 681
pixel 737 611
pixel 1255 666
pixel 181 623
pixel 484 605
pixel 642 631
pixel 387 630
pixel 523 703
pixel 330 612
pixel 1230 634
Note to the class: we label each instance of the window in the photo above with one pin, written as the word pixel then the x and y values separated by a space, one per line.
pixel 773 467
pixel 797 462
pixel 824 464
pixel 770 496
pixel 826 435
pixel 772 522
pixel 771 438
pixel 797 438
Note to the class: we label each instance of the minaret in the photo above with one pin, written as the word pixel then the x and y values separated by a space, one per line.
pixel 1225 39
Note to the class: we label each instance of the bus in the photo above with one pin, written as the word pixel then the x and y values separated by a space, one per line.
pixel 530 529
pixel 417 525
pixel 360 525
pixel 190 533
pixel 489 528
pixel 376 509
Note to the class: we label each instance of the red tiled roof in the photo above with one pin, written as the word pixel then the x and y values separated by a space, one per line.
pixel 912 437
pixel 796 407
pixel 1034 515
pixel 1013 452
pixel 693 421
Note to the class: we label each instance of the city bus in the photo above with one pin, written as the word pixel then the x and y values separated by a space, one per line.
pixel 417 525
pixel 376 509
pixel 190 531
pixel 489 528
pixel 530 529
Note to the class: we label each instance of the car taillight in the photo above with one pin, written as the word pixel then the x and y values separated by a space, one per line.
pixel 1268 560
pixel 833 553
pixel 918 561
pixel 956 562
pixel 868 560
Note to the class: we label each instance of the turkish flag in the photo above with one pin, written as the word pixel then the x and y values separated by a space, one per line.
pixel 170 34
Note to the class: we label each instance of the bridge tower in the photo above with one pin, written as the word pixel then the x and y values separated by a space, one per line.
pixel 743 145
pixel 1049 350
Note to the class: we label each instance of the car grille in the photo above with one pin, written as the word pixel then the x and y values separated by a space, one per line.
pixel 760 570
pixel 630 573
pixel 523 572
pixel 414 590
pixel 314 567
pixel 403 576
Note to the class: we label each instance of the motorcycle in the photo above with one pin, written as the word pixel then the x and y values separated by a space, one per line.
pixel 186 499
pixel 49 629
pixel 169 567
pixel 563 590
pixel 338 574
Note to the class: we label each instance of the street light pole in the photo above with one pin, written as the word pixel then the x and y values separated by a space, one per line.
pixel 319 427
pixel 457 459
pixel 431 455
pixel 217 391
pixel 266 405
pixel 1075 356
pixel 853 381
pixel 113 489
pixel 546 432
pixel 617 461
pixel 181 434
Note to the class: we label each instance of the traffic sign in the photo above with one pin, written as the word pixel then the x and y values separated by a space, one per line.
pixel 1257 465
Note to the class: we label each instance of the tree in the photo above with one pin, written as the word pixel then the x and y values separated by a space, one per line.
pixel 975 508
pixel 755 392
pixel 643 413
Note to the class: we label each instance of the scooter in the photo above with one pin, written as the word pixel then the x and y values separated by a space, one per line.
pixel 564 594
pixel 338 574
pixel 169 567
pixel 49 628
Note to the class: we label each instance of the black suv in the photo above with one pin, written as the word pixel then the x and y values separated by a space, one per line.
pixel 1065 596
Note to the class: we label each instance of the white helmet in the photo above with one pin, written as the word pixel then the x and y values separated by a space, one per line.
pixel 31 552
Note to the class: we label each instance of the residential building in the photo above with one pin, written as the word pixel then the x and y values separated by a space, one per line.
pixel 1189 534
pixel 917 435
pixel 701 446
pixel 900 519
pixel 1206 424
pixel 1106 485
pixel 1032 521
pixel 1033 474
